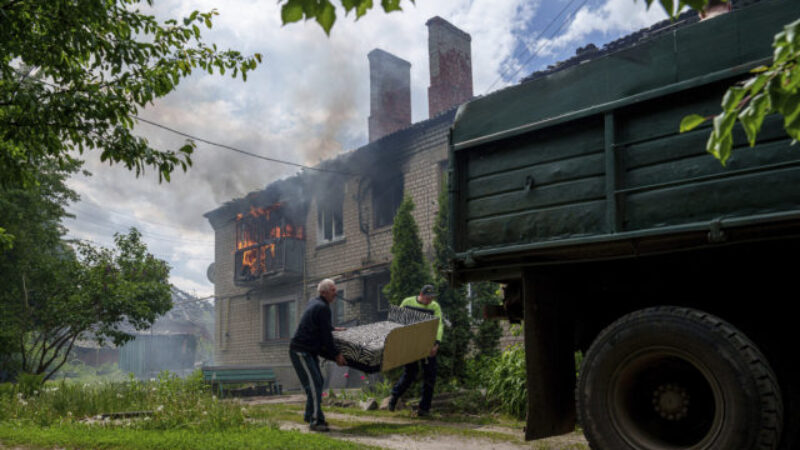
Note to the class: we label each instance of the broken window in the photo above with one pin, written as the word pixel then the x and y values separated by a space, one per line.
pixel 259 236
pixel 279 320
pixel 387 194
pixel 330 221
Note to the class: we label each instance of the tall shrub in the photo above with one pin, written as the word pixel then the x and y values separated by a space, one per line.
pixel 487 333
pixel 455 343
pixel 409 269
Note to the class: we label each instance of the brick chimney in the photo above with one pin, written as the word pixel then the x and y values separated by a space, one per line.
pixel 449 51
pixel 389 94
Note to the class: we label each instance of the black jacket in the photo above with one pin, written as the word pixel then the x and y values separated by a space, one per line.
pixel 314 333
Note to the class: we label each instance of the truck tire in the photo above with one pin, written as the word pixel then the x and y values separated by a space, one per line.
pixel 674 378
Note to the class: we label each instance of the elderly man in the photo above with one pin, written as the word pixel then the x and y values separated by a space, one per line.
pixel 424 302
pixel 312 339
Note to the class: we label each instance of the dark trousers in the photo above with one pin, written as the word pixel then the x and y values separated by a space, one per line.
pixel 307 368
pixel 428 381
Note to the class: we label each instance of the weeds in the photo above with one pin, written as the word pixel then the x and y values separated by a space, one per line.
pixel 166 403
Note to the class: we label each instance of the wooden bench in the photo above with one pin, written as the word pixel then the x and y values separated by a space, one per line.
pixel 218 376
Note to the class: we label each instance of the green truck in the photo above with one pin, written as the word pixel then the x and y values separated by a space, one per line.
pixel 617 236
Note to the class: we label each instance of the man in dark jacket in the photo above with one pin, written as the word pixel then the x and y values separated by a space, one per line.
pixel 312 339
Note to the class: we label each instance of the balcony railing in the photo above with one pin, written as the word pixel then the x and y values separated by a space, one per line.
pixel 271 262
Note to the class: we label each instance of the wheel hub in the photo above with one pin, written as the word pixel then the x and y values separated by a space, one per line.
pixel 671 401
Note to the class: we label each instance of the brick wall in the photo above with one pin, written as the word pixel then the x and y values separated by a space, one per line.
pixel 449 52
pixel 389 93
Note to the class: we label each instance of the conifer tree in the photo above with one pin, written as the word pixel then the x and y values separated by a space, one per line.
pixel 455 344
pixel 487 333
pixel 409 269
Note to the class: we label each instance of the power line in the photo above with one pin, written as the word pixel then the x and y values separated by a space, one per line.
pixel 104 209
pixel 234 149
pixel 536 51
pixel 115 227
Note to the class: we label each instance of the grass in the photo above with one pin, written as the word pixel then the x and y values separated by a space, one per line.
pixel 86 436
pixel 418 429
pixel 183 413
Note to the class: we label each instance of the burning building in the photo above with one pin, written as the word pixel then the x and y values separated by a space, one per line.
pixel 273 246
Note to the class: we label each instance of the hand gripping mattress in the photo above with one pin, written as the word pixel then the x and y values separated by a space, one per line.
pixel 406 336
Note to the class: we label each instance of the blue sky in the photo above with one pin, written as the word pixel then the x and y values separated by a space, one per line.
pixel 309 100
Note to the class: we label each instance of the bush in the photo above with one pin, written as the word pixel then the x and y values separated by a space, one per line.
pixel 171 403
pixel 506 382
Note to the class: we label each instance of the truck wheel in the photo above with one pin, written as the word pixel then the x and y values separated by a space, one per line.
pixel 669 378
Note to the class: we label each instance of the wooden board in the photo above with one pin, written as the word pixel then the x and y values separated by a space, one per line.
pixel 409 343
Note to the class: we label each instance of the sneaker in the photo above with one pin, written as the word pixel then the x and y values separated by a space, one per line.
pixel 392 403
pixel 423 413
pixel 319 427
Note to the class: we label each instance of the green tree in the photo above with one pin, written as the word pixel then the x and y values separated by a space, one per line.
pixel 33 215
pixel 455 344
pixel 74 74
pixel 55 292
pixel 409 269
pixel 487 332
pixel 773 89
pixel 324 12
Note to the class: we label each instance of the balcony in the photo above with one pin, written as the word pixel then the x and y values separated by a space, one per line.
pixel 271 262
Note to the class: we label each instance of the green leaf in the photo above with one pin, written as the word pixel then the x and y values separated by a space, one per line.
pixel 292 11
pixel 732 98
pixel 753 116
pixel 394 5
pixel 691 122
pixel 723 123
pixel 720 147
pixel 756 84
pixel 759 69
pixel 363 7
pixel 668 6
pixel 349 5
pixel 326 17
pixel 791 119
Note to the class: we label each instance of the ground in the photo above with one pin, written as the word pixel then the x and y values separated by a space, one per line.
pixel 403 431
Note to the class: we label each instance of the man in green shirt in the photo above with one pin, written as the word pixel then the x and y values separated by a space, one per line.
pixel 423 302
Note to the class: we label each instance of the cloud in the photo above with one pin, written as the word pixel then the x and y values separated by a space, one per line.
pixel 588 24
pixel 307 101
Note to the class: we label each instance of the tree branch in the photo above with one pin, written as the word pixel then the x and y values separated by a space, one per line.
pixel 67 338
pixel 63 360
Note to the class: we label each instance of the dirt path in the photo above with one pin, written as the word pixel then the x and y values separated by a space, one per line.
pixel 515 439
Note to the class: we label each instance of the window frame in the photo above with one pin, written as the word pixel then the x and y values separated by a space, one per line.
pixel 392 190
pixel 327 215
pixel 336 315
pixel 291 304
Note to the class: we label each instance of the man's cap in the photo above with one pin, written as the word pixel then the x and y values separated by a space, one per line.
pixel 428 290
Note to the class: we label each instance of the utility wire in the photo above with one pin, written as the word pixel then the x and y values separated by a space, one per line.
pixel 538 48
pixel 115 227
pixel 234 149
pixel 95 207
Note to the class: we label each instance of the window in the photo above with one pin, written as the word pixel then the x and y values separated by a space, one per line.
pixel 330 224
pixel 338 307
pixel 383 302
pixel 387 194
pixel 374 290
pixel 260 236
pixel 279 320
